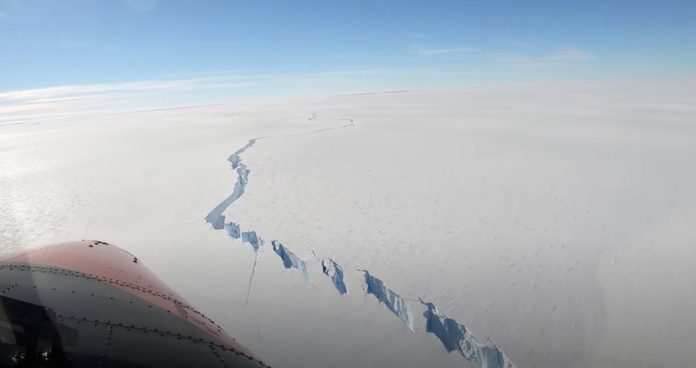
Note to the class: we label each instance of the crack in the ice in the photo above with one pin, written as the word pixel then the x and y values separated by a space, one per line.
pixel 217 219
pixel 290 260
pixel 254 240
pixel 251 279
pixel 335 272
pixel 455 336
pixel 393 301
pixel 451 334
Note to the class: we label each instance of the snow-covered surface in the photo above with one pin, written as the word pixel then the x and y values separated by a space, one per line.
pixel 554 223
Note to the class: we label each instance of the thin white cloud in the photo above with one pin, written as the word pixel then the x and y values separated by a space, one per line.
pixel 76 99
pixel 28 96
pixel 72 100
pixel 556 57
pixel 72 92
pixel 441 51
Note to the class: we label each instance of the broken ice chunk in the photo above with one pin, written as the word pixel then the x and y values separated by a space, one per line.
pixel 215 217
pixel 335 272
pixel 455 336
pixel 450 333
pixel 240 185
pixel 243 173
pixel 254 240
pixel 234 158
pixel 392 300
pixel 290 260
pixel 233 230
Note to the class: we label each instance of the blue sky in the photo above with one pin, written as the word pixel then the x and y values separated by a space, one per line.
pixel 247 45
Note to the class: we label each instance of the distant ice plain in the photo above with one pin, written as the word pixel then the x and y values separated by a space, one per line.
pixel 557 220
